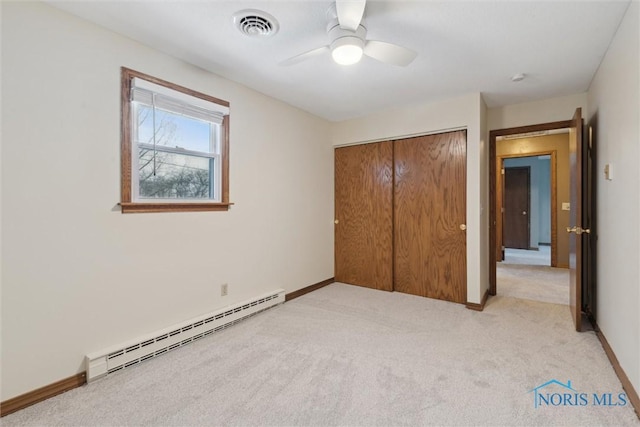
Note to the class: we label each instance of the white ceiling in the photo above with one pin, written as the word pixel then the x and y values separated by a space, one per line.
pixel 463 47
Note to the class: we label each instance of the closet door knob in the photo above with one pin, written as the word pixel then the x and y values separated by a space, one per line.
pixel 463 227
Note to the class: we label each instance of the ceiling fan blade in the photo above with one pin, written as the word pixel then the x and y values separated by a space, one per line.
pixel 350 13
pixel 304 56
pixel 389 53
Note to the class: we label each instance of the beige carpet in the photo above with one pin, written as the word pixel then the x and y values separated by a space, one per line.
pixel 351 356
pixel 542 256
pixel 533 282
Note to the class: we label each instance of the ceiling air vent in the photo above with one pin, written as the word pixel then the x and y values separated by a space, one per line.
pixel 255 23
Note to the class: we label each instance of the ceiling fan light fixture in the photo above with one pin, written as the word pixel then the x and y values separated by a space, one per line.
pixel 347 50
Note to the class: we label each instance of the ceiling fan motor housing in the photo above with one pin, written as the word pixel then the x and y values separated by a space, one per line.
pixel 347 40
pixel 336 33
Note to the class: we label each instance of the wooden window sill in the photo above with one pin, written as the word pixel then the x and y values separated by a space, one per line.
pixel 128 207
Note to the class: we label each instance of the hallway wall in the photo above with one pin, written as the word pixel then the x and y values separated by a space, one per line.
pixel 614 123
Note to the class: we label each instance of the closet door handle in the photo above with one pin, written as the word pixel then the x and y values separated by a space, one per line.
pixel 463 227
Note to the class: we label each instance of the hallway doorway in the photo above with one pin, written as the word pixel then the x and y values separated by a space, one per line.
pixel 532 262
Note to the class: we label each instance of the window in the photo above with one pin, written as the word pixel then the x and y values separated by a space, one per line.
pixel 175 147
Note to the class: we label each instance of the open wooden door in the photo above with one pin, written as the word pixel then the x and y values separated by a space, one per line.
pixel 576 214
pixel 589 209
pixel 364 215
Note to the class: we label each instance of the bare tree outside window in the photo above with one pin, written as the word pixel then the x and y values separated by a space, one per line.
pixel 168 175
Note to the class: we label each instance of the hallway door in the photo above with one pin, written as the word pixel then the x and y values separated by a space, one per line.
pixel 579 212
pixel 363 215
pixel 517 196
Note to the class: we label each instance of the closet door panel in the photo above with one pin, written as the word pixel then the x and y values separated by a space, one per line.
pixel 430 216
pixel 364 215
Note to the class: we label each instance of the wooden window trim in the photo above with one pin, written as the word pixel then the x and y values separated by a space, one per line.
pixel 127 204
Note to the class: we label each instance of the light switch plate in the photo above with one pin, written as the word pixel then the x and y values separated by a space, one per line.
pixel 608 171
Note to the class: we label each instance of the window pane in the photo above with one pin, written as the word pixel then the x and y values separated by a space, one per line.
pixel 173 130
pixel 174 176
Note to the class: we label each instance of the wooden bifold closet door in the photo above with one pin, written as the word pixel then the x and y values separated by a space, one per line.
pixel 430 241
pixel 400 215
pixel 364 215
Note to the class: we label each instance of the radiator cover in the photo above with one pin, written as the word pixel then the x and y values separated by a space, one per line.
pixel 122 356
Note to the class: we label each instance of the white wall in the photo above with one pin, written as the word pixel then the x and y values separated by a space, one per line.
pixel 543 111
pixel 1 183
pixel 461 112
pixel 77 274
pixel 614 105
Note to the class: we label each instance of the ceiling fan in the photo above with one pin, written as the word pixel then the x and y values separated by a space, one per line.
pixel 348 40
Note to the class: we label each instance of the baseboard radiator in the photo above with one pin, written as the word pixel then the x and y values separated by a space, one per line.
pixel 125 355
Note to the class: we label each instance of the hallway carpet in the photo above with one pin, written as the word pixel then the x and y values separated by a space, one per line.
pixel 542 256
pixel 533 282
pixel 351 356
